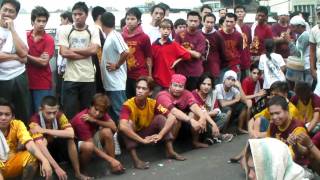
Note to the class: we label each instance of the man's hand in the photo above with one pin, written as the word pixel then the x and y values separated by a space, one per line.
pixel 111 67
pixel 215 130
pixel 314 73
pixel 237 84
pixel 45 55
pixel 237 98
pixel 261 92
pixel 156 138
pixel 87 117
pixel 304 140
pixel 148 140
pixel 195 124
pixel 36 129
pixel 62 175
pixel 9 23
pixel 45 170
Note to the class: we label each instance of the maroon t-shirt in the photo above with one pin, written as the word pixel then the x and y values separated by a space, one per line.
pixel 245 56
pixel 196 42
pixel 261 33
pixel 40 77
pixel 234 46
pixel 201 102
pixel 281 46
pixel 216 53
pixel 86 130
pixel 316 140
pixel 183 102
pixel 248 85
pixel 139 49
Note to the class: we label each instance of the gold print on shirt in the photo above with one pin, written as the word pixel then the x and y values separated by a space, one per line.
pixel 230 49
pixel 131 61
pixel 254 48
pixel 187 45
pixel 162 109
pixel 245 40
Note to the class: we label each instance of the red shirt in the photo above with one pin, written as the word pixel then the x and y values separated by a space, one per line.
pixel 234 47
pixel 316 140
pixel 163 56
pixel 139 49
pixel 85 130
pixel 183 102
pixel 201 102
pixel 196 42
pixel 216 53
pixel 261 33
pixel 245 54
pixel 40 78
pixel 248 85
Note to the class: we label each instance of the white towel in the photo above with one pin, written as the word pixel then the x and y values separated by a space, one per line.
pixel 253 28
pixel 4 148
pixel 43 123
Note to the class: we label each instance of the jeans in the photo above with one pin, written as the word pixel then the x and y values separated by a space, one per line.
pixel 117 98
pixel 75 92
pixel 37 96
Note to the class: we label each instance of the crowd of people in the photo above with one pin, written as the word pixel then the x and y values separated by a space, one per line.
pixel 145 83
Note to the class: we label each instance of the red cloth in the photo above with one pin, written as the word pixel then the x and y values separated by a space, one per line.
pixel 262 32
pixel 85 130
pixel 139 49
pixel 216 53
pixel 201 102
pixel 316 140
pixel 234 47
pixel 248 85
pixel 178 78
pixel 163 57
pixel 183 102
pixel 196 42
pixel 40 78
pixel 245 56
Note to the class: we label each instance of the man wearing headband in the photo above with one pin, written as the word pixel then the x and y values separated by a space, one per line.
pixel 180 102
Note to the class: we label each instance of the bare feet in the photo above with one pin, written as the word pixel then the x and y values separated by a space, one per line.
pixel 176 156
pixel 117 168
pixel 198 144
pixel 141 164
pixel 83 177
pixel 242 131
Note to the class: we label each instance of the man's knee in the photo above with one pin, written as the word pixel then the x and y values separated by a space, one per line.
pixel 87 147
pixel 106 133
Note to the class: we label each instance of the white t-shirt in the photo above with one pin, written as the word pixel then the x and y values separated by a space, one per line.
pixel 315 38
pixel 113 46
pixel 271 69
pixel 79 70
pixel 11 69
pixel 226 95
pixel 153 32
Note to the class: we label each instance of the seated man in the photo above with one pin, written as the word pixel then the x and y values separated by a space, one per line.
pixel 17 161
pixel 232 100
pixel 308 105
pixel 94 129
pixel 54 136
pixel 143 121
pixel 180 102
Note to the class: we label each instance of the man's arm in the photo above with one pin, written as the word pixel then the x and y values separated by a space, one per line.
pixel 89 51
pixel 70 55
pixel 106 124
pixel 171 119
pixel 65 133
pixel 313 122
pixel 9 57
pixel 21 47
pixel 224 103
pixel 197 111
pixel 122 59
pixel 194 54
pixel 126 128
pixel 149 65
pixel 313 68
pixel 43 60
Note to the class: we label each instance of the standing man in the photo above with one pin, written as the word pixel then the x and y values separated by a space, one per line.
pixel 204 10
pixel 315 53
pixel 192 40
pixel 13 56
pixel 40 52
pixel 113 65
pixel 78 42
pixel 281 32
pixel 152 28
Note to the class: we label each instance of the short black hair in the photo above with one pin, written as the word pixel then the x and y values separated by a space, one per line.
pixel 263 9
pixel 194 13
pixel 122 23
pixel 232 15
pixel 67 14
pixel 108 19
pixel 205 6
pixel 203 77
pixel 239 7
pixel 209 15
pixel 81 6
pixel 280 101
pixel 280 86
pixel 179 22
pixel 254 66
pixel 134 12
pixel 221 21
pixel 49 101
pixel 302 89
pixel 148 80
pixel 157 6
pixel 164 5
pixel 39 11
pixel 223 9
pixel 4 102
pixel 15 3
pixel 96 12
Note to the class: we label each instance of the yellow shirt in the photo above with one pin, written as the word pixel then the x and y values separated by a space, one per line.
pixel 306 110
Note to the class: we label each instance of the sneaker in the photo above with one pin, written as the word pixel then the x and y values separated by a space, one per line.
pixel 117 149
pixel 209 141
pixel 226 137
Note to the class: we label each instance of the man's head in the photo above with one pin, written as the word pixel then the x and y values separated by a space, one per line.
pixel 205 83
pixel 99 105
pixel 107 21
pixel 303 91
pixel 298 24
pixel 240 11
pixel 177 84
pixel 144 87
pixel 223 12
pixel 180 25
pixel 6 113
pixel 9 10
pixel 39 18
pixel 133 18
pixel 80 14
pixel 157 14
pixel 97 12
pixel 209 21
pixel 166 7
pixel 230 22
pixel 165 28
pixel 229 79
pixel 283 18
pixel 262 14
pixel 254 72
pixel 279 110
pixel 66 18
pixel 49 108
pixel 279 88
pixel 205 9
pixel 193 20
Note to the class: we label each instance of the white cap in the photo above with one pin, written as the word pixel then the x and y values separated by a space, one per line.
pixel 297 20
pixel 283 13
